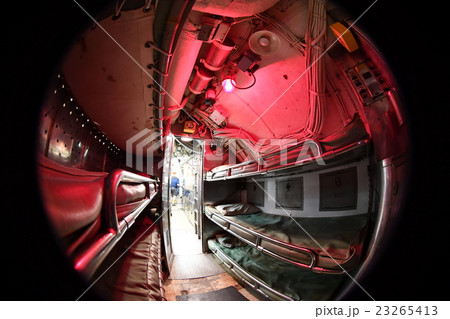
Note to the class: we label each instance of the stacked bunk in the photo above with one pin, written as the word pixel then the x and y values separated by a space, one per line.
pixel 92 214
pixel 271 278
pixel 279 256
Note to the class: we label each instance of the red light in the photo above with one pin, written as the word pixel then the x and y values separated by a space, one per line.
pixel 228 85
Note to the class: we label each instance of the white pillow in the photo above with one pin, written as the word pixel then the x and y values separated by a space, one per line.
pixel 237 209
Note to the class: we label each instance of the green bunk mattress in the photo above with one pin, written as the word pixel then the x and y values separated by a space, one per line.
pixel 274 279
pixel 331 245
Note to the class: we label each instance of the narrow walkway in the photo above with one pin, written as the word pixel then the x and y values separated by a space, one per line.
pixel 186 245
pixel 175 288
pixel 184 240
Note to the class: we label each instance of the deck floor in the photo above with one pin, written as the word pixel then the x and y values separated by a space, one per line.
pixel 185 242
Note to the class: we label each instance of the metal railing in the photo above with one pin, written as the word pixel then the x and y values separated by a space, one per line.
pixel 89 259
pixel 261 168
pixel 260 238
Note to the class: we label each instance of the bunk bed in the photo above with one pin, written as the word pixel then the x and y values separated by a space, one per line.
pixel 92 213
pixel 352 141
pixel 322 245
pixel 273 279
pixel 302 252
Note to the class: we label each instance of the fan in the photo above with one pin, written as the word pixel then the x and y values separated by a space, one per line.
pixel 264 43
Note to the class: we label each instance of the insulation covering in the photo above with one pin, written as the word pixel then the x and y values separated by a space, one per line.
pixel 72 197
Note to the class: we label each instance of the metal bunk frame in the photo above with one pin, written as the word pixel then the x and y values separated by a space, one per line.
pixel 264 169
pixel 260 238
pixel 252 281
pixel 89 259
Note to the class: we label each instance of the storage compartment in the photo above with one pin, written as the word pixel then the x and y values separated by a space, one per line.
pixel 339 190
pixel 289 193
pixel 255 193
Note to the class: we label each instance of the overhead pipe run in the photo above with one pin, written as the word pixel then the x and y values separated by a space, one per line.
pixel 214 61
pixel 181 66
pixel 188 47
pixel 218 54
pixel 234 8
pixel 200 80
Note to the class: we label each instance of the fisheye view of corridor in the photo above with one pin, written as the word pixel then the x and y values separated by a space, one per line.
pixel 219 150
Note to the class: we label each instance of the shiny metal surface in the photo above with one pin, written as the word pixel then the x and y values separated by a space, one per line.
pixel 392 191
pixel 226 172
pixel 252 281
pixel 89 259
pixel 166 208
pixel 69 137
pixel 111 184
pixel 257 244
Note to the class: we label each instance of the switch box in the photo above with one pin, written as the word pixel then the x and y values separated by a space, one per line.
pixel 289 193
pixel 189 127
pixel 248 61
pixel 218 115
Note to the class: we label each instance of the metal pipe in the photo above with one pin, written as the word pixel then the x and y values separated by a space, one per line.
pixel 386 218
pixel 234 9
pixel 176 17
pixel 181 66
pixel 218 54
pixel 200 80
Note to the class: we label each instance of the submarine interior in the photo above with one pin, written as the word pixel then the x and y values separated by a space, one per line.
pixel 224 150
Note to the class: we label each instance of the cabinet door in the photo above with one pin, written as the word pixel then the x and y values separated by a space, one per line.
pixel 339 190
pixel 289 193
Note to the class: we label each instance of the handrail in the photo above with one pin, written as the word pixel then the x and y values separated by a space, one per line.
pixel 269 155
pixel 265 169
pixel 232 265
pixel 88 260
pixel 111 184
pixel 258 245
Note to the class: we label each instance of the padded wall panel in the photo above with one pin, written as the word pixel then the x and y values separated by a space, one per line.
pixel 69 137
pixel 72 198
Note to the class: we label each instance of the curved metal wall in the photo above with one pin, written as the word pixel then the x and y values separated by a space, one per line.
pixel 69 137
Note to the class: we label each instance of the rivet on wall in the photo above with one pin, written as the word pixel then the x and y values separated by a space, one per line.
pixel 59 130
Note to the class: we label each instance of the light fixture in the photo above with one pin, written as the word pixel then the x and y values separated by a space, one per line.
pixel 186 139
pixel 228 85
pixel 264 43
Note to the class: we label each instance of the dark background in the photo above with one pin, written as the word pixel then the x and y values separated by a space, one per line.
pixel 409 34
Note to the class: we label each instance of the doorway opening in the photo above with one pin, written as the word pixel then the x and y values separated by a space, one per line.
pixel 186 186
pixel 185 195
